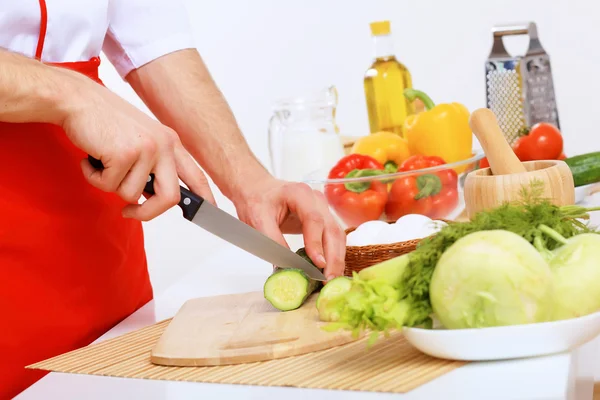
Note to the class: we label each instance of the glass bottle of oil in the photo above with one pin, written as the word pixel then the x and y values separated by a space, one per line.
pixel 384 84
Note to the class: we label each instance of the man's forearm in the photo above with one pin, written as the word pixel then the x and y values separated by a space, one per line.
pixel 180 92
pixel 31 91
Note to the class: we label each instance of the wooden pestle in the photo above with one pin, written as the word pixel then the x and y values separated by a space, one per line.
pixel 500 155
pixel 503 182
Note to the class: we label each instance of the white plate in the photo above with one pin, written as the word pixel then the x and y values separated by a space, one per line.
pixel 508 342
pixel 582 192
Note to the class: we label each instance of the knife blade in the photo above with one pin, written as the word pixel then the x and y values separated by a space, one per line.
pixel 225 226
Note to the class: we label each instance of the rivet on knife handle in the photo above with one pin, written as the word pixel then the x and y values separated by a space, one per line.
pixel 189 203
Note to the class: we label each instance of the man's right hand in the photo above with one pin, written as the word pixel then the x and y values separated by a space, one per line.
pixel 131 145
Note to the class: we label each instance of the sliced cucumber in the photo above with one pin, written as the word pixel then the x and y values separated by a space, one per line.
pixel 288 289
pixel 329 302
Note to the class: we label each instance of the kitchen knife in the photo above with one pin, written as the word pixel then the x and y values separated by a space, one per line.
pixel 232 230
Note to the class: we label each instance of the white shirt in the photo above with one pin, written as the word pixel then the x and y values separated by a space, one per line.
pixel 131 33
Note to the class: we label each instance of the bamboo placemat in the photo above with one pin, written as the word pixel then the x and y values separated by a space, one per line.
pixel 391 365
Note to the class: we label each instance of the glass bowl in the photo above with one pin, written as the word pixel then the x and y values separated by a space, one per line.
pixel 435 192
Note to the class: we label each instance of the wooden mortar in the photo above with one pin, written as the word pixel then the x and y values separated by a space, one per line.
pixel 503 181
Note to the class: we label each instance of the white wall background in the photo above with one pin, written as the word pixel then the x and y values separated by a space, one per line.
pixel 262 50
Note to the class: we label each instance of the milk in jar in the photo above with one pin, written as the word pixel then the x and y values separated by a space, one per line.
pixel 304 136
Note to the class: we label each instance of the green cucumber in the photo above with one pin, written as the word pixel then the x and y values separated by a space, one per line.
pixel 585 168
pixel 302 253
pixel 288 288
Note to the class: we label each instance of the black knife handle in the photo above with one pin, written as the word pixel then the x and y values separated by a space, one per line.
pixel 189 203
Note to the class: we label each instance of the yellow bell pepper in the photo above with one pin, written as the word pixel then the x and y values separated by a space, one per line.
pixel 390 149
pixel 441 130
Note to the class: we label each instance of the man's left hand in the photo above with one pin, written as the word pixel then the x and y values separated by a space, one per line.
pixel 276 207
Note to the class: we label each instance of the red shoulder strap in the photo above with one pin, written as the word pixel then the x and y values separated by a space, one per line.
pixel 43 27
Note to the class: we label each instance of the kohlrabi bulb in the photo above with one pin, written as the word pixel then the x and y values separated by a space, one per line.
pixel 491 278
pixel 576 270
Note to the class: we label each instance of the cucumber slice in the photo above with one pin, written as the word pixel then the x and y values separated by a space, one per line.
pixel 288 289
pixel 329 302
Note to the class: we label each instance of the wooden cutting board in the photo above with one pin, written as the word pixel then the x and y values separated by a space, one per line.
pixel 241 328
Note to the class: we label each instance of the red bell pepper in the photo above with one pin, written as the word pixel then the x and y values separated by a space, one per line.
pixel 357 202
pixel 433 194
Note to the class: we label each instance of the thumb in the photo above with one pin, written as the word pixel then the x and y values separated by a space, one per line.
pixel 191 174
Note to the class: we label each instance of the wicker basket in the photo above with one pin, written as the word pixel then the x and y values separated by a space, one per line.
pixel 361 257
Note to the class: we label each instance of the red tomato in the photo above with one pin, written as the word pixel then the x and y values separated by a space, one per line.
pixel 484 163
pixel 521 150
pixel 543 142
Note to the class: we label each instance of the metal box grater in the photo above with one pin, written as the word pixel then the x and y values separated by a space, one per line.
pixel 519 89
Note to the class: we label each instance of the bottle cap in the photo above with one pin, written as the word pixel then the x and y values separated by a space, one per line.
pixel 380 28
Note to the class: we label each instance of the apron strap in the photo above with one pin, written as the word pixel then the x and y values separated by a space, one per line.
pixel 43 27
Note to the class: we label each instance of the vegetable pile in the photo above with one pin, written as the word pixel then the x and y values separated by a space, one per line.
pixel 439 135
pixel 524 262
pixel 433 194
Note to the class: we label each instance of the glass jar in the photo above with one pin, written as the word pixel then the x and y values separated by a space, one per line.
pixel 304 136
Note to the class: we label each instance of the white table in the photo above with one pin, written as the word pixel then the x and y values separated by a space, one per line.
pixel 565 376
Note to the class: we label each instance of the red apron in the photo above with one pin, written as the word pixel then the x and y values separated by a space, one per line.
pixel 70 266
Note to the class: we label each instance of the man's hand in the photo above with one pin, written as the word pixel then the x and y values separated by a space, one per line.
pixel 131 146
pixel 275 208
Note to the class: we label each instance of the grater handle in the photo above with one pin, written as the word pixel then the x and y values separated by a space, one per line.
pixel 525 28
pixel 500 155
pixel 528 28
